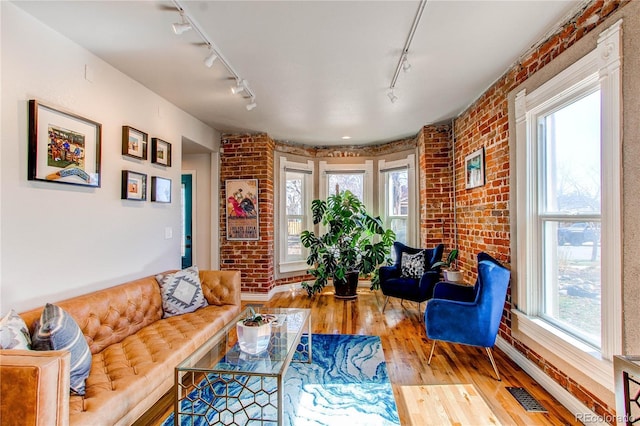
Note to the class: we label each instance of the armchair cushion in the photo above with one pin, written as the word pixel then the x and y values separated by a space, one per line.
pixel 412 265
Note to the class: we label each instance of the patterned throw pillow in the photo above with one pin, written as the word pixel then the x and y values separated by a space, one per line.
pixel 412 265
pixel 14 333
pixel 181 292
pixel 57 330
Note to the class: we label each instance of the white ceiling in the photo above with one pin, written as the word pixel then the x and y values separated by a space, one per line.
pixel 320 70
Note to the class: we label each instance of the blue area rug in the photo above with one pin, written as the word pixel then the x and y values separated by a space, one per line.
pixel 347 383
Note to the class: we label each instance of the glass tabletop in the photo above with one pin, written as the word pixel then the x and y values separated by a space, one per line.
pixel 269 355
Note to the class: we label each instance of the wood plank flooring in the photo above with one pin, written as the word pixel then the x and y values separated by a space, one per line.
pixel 406 350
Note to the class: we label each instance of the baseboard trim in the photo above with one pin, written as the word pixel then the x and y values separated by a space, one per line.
pixel 570 402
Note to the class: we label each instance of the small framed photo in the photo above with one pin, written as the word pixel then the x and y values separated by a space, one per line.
pixel 474 169
pixel 134 186
pixel 134 143
pixel 160 189
pixel 160 152
pixel 63 147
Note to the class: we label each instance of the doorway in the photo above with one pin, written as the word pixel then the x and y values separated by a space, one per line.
pixel 186 196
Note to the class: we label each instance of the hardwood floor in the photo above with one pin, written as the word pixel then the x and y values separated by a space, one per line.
pixel 406 349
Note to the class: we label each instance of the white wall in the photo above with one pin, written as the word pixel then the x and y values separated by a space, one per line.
pixel 62 240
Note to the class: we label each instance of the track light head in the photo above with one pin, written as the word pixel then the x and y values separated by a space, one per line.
pixel 252 105
pixel 210 59
pixel 392 97
pixel 406 66
pixel 240 86
pixel 182 26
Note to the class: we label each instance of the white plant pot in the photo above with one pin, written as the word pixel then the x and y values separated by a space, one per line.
pixel 453 276
pixel 253 339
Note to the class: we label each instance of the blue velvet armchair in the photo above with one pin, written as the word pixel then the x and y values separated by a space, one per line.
pixel 469 315
pixel 416 289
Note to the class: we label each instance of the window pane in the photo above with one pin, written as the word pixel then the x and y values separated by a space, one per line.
pixel 398 193
pixel 294 193
pixel 399 226
pixel 295 214
pixel 572 287
pixel 571 145
pixel 353 182
pixel 294 246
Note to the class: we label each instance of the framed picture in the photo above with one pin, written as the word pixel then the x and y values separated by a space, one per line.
pixel 474 169
pixel 134 143
pixel 160 189
pixel 63 147
pixel 241 196
pixel 134 186
pixel 160 152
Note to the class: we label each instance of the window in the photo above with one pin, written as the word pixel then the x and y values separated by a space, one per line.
pixel 356 178
pixel 568 211
pixel 397 193
pixel 296 187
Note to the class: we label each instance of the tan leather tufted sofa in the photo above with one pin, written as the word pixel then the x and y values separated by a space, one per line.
pixel 134 354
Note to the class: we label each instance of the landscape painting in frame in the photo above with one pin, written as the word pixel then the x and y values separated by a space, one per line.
pixel 474 169
pixel 63 147
pixel 242 209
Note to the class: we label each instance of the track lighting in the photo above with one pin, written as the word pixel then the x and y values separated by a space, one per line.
pixel 182 26
pixel 392 97
pixel 240 86
pixel 214 54
pixel 211 58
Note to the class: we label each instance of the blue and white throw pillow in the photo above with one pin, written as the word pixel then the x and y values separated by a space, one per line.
pixel 412 265
pixel 57 330
pixel 181 292
pixel 14 333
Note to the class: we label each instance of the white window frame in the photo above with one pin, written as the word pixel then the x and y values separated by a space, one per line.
pixel 412 218
pixel 285 265
pixel 603 64
pixel 365 168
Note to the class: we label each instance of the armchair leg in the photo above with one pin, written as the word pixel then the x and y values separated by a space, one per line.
pixel 385 303
pixel 493 363
pixel 433 347
pixel 420 315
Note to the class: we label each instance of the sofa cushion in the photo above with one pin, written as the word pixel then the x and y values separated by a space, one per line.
pixel 14 333
pixel 412 265
pixel 57 330
pixel 181 292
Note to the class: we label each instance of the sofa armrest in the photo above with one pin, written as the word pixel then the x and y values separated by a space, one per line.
pixel 221 287
pixel 34 387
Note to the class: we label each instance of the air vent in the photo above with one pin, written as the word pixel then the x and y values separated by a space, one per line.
pixel 525 399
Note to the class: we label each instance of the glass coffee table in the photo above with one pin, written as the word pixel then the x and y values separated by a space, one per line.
pixel 221 384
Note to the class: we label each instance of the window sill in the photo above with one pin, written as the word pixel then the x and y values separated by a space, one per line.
pixel 581 357
pixel 298 266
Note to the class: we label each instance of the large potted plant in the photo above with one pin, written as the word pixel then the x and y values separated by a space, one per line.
pixel 354 243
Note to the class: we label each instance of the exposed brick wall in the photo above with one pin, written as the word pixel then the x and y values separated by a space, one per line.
pixel 436 187
pixel 250 157
pixel 483 213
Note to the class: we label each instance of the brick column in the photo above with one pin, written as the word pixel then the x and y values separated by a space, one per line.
pixel 249 157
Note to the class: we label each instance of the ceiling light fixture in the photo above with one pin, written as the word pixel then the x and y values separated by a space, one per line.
pixel 240 86
pixel 182 26
pixel 211 58
pixel 406 66
pixel 187 23
pixel 402 62
pixel 252 105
